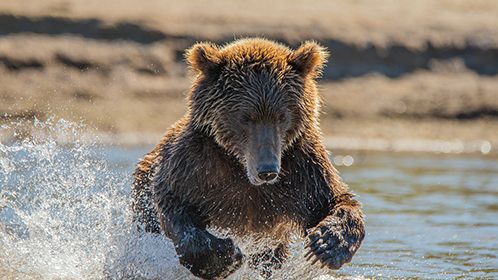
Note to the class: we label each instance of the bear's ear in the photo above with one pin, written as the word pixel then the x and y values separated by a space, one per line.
pixel 309 59
pixel 203 57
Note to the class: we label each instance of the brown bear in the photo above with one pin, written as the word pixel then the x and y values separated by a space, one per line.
pixel 248 157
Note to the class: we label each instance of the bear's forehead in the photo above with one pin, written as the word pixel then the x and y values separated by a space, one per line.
pixel 255 50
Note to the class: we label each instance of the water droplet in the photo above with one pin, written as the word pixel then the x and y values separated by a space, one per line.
pixel 338 160
pixel 485 147
pixel 348 160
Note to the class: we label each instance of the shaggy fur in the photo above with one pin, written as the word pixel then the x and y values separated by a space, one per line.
pixel 250 97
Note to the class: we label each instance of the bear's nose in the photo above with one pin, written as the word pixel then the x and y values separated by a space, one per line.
pixel 267 176
pixel 268 173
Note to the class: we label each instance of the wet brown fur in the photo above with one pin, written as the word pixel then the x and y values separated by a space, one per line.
pixel 195 176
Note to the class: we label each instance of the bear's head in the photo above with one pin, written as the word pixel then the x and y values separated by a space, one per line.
pixel 256 98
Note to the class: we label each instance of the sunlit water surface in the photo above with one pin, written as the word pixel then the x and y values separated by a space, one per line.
pixel 64 214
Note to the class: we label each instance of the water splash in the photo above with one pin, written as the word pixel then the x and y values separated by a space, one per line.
pixel 64 214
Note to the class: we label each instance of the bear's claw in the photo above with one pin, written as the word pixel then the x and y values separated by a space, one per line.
pixel 331 245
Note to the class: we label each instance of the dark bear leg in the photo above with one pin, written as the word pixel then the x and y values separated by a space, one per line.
pixel 269 260
pixel 204 254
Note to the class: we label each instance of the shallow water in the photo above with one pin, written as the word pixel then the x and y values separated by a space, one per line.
pixel 64 213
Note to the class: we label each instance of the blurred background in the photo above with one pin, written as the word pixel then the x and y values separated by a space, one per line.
pixel 410 116
pixel 401 72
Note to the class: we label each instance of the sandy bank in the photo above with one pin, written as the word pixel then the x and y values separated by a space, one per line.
pixel 397 71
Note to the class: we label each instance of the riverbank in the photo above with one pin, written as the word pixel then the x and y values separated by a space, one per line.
pixel 391 79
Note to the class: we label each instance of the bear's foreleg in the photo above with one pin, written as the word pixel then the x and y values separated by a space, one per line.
pixel 144 213
pixel 269 260
pixel 205 255
pixel 338 236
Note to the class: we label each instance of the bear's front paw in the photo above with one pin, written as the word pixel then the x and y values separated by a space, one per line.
pixel 334 242
pixel 210 257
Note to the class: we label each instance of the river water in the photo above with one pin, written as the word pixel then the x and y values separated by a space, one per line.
pixel 64 214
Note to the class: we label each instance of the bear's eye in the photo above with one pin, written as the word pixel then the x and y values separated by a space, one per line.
pixel 246 119
pixel 282 118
